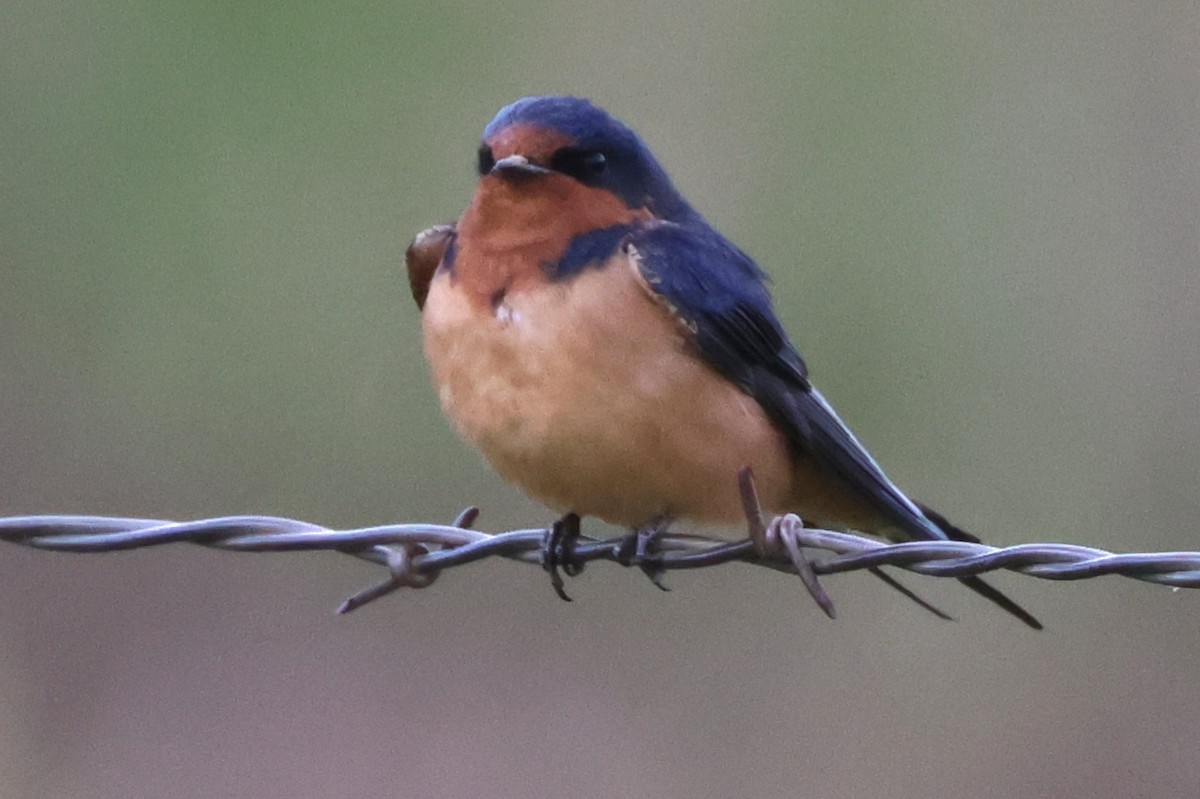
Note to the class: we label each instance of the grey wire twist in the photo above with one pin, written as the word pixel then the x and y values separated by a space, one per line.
pixel 416 554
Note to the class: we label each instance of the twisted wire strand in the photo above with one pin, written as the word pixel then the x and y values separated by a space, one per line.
pixel 415 554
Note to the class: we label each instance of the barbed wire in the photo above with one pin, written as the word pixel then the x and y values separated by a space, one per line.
pixel 416 554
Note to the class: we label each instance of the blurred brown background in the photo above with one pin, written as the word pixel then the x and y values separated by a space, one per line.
pixel 982 223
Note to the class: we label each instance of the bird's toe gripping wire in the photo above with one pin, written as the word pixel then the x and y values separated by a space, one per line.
pixel 642 548
pixel 558 551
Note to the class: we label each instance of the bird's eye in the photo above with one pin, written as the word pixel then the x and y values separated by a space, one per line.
pixel 486 159
pixel 586 166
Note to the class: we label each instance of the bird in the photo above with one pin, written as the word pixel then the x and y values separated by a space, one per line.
pixel 613 355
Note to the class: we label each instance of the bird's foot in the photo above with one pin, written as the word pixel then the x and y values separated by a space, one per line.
pixel 558 551
pixel 641 548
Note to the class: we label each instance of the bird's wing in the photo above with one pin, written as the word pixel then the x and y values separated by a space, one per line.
pixel 719 294
pixel 423 257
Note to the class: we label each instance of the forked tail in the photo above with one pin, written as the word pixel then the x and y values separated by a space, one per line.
pixel 977 584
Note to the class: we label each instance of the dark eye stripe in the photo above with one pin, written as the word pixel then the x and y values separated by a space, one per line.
pixel 586 166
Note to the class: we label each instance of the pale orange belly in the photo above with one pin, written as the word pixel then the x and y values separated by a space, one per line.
pixel 583 395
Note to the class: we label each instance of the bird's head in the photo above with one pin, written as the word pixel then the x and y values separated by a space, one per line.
pixel 552 154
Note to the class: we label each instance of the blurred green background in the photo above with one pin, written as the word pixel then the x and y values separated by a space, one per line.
pixel 981 219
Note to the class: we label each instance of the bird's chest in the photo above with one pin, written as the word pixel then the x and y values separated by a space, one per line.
pixel 545 370
pixel 584 393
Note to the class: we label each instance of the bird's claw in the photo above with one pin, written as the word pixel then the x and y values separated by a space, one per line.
pixel 558 551
pixel 640 547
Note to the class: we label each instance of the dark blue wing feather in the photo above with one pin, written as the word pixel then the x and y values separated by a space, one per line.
pixel 720 293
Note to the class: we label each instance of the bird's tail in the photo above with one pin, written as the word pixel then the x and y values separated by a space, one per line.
pixel 977 584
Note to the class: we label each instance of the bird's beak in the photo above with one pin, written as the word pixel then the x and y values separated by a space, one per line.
pixel 516 165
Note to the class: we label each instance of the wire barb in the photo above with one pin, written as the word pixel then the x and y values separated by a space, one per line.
pixel 416 554
pixel 781 531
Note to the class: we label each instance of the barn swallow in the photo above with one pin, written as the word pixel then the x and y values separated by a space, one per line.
pixel 615 356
